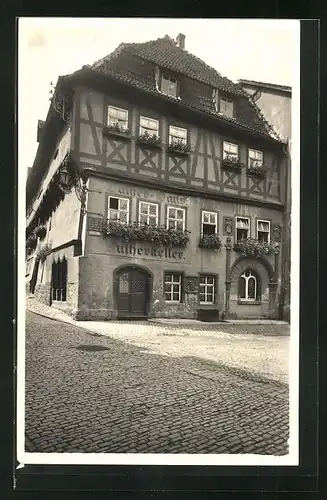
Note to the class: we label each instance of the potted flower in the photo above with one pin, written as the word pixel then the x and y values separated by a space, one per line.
pixel 255 248
pixel 159 235
pixel 232 162
pixel 149 139
pixel 210 241
pixel 114 128
pixel 257 169
pixel 40 231
pixel 179 147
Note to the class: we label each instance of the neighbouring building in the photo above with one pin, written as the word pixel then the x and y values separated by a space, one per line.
pixel 275 102
pixel 158 190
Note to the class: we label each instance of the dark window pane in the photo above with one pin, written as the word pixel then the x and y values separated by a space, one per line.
pixel 241 288
pixel 251 288
pixel 114 203
pixel 208 229
pixel 176 297
pixel 202 297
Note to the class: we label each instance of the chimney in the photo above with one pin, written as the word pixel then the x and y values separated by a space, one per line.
pixel 180 41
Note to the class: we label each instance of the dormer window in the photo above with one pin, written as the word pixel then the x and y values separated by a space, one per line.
pixel 223 104
pixel 168 85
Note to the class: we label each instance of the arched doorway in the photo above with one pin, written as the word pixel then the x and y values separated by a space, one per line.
pixel 132 292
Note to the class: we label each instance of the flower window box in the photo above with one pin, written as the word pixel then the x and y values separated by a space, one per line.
pixel 114 129
pixel 232 162
pixel 144 232
pixel 254 248
pixel 257 170
pixel 210 241
pixel 179 148
pixel 150 140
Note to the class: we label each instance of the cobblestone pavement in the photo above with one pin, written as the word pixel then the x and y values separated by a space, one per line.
pixel 91 393
pixel 261 349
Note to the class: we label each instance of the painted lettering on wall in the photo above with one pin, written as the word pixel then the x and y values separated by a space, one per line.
pixel 166 253
pixel 134 193
pixel 178 200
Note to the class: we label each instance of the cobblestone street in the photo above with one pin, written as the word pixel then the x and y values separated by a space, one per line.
pixel 87 392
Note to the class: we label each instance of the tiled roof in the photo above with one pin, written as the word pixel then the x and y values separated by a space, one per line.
pixel 165 53
pixel 273 86
pixel 135 63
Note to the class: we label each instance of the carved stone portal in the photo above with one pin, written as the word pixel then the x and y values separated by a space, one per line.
pixel 276 232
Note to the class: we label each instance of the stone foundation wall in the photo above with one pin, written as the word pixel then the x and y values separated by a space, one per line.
pixel 42 293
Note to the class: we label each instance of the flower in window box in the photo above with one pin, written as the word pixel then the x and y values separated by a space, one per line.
pixel 257 169
pixel 43 251
pixel 115 128
pixel 150 139
pixel 40 231
pixel 211 241
pixel 232 162
pixel 254 248
pixel 179 146
pixel 144 232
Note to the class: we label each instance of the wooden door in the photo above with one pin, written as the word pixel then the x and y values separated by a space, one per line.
pixel 132 294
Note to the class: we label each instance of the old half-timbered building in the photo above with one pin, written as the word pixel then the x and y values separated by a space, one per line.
pixel 158 190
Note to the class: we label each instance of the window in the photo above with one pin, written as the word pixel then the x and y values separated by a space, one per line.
pixel 242 228
pixel 59 280
pixel 223 105
pixel 209 223
pixel 148 213
pixel 169 85
pixel 263 230
pixel 230 150
pixel 118 209
pixel 207 289
pixel 118 116
pixel 173 287
pixel 255 158
pixel 249 286
pixel 175 218
pixel 149 126
pixel 177 134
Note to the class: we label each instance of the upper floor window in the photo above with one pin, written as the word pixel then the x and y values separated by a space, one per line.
pixel 207 289
pixel 263 230
pixel 209 223
pixel 176 218
pixel 149 126
pixel 230 150
pixel 242 228
pixel 118 209
pixel 168 85
pixel 148 213
pixel 223 105
pixel 177 134
pixel 118 116
pixel 255 158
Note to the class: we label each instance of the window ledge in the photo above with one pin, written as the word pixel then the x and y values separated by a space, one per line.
pixel 178 152
pixel 148 144
pixel 110 132
pixel 249 302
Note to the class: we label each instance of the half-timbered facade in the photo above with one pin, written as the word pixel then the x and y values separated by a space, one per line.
pixel 185 187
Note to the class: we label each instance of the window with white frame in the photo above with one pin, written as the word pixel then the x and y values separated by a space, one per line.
pixel 118 209
pixel 177 134
pixel 230 150
pixel 118 116
pixel 173 287
pixel 207 289
pixel 263 230
pixel 242 228
pixel 248 287
pixel 209 223
pixel 175 218
pixel 255 158
pixel 169 85
pixel 225 106
pixel 149 126
pixel 148 213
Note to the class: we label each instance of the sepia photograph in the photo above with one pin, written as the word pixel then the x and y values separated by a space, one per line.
pixel 158 164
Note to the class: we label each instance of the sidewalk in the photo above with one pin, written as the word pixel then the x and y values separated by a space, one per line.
pixel 266 356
